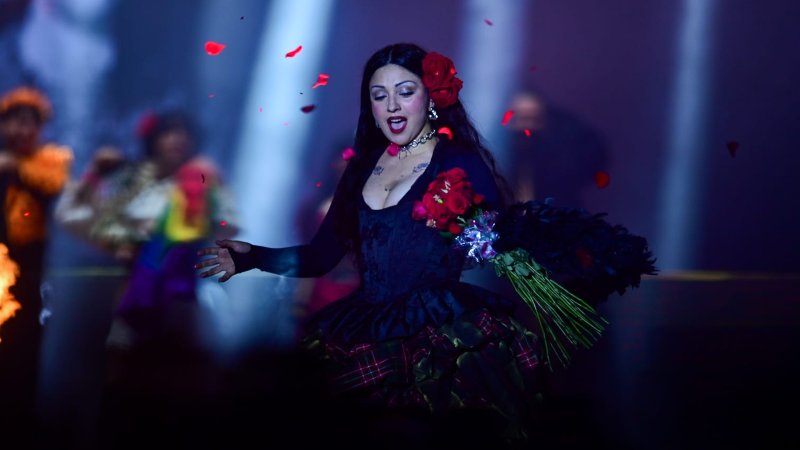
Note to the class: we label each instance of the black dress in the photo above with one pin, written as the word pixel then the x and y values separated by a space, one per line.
pixel 412 335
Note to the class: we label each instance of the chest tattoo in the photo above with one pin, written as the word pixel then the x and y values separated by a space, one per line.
pixel 419 167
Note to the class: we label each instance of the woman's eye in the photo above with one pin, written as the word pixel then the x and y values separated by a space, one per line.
pixel 407 94
pixel 379 97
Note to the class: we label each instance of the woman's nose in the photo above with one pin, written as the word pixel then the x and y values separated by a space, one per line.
pixel 392 104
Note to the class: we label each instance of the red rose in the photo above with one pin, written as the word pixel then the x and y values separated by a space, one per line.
pixel 455 228
pixel 439 77
pixel 419 211
pixel 436 185
pixel 443 218
pixel 457 203
pixel 429 203
pixel 463 187
pixel 455 174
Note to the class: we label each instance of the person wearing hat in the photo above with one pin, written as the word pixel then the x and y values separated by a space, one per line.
pixel 32 175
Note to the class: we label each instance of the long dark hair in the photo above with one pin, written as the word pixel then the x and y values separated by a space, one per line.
pixel 370 139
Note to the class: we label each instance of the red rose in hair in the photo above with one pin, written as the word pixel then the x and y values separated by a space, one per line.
pixel 439 77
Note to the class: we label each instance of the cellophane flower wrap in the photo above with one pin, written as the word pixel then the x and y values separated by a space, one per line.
pixel 451 206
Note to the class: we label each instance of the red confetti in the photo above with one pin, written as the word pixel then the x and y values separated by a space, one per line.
pixel 527 132
pixel 447 132
pixel 223 223
pixel 294 52
pixel 322 80
pixel 507 117
pixel 348 154
pixel 601 179
pixel 319 183
pixel 488 22
pixel 732 147
pixel 308 108
pixel 26 213
pixel 214 48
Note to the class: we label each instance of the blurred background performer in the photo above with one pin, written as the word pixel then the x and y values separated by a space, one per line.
pixel 31 176
pixel 152 215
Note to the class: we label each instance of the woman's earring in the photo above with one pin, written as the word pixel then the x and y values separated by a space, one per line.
pixel 377 124
pixel 432 113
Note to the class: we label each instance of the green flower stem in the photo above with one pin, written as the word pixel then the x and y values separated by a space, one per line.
pixel 560 314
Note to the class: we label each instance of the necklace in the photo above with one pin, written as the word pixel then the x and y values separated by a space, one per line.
pixel 394 149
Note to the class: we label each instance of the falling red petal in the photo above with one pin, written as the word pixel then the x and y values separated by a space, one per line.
pixel 260 109
pixel 507 117
pixel 348 154
pixel 732 147
pixel 527 132
pixel 26 213
pixel 211 95
pixel 322 80
pixel 286 124
pixel 601 179
pixel 446 131
pixel 308 108
pixel 203 177
pixel 488 22
pixel 223 223
pixel 294 52
pixel 319 183
pixel 214 48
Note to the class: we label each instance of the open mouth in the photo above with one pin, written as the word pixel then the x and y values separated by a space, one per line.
pixel 397 124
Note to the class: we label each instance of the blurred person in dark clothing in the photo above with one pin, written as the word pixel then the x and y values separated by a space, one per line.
pixel 553 153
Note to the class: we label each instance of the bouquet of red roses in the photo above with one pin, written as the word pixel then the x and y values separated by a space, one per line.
pixel 446 202
pixel 451 206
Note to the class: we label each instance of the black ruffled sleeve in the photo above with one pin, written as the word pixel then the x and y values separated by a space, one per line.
pixel 314 259
pixel 585 253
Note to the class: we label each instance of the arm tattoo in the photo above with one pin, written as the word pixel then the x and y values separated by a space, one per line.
pixel 419 167
pixel 378 170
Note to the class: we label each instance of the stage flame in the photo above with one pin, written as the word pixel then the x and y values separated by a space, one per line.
pixel 9 271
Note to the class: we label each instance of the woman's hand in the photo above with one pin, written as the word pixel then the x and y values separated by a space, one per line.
pixel 221 258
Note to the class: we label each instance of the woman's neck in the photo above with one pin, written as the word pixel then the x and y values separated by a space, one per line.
pixel 424 142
